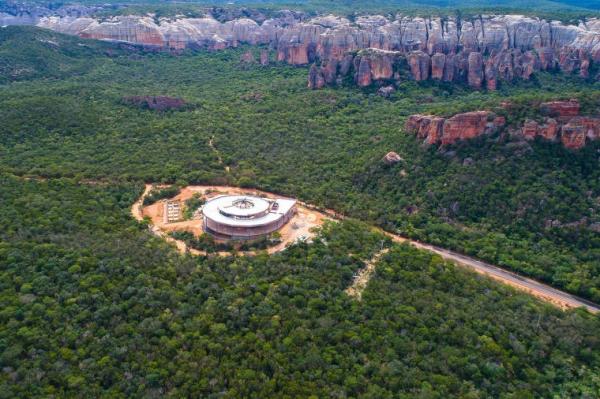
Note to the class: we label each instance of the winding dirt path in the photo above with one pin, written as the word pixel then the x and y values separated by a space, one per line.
pixel 211 144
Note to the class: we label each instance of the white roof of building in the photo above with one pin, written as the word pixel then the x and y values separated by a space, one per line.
pixel 246 211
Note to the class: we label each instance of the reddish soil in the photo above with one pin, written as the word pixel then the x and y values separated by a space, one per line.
pixel 300 227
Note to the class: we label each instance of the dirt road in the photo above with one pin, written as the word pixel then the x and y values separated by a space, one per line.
pixel 542 291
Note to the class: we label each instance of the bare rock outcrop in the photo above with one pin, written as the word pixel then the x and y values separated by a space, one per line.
pixel 572 135
pixel 578 130
pixel 363 72
pixel 392 158
pixel 548 130
pixel 475 70
pixel 264 57
pixel 386 91
pixel 468 125
pixel 438 62
pixel 315 78
pixel 427 127
pixel 572 130
pixel 561 109
pixel 420 64
pixel 248 58
pixel 483 52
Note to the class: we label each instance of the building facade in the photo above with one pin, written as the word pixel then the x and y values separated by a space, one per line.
pixel 172 211
pixel 241 217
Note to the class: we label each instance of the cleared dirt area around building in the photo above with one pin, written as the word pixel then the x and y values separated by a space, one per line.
pixel 300 227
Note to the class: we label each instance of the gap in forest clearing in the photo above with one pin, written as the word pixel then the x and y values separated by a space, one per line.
pixel 362 277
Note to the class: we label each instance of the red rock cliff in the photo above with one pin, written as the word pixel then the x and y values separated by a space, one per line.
pixel 437 130
pixel 572 130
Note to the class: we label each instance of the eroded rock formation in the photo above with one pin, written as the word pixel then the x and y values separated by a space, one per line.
pixel 248 58
pixel 315 78
pixel 264 58
pixel 561 109
pixel 572 130
pixel 437 130
pixel 482 52
pixel 562 120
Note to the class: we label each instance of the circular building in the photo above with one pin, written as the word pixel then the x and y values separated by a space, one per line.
pixel 242 217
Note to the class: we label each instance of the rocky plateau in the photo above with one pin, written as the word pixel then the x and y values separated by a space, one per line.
pixel 480 51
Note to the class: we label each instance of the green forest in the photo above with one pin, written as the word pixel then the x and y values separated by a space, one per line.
pixel 63 115
pixel 91 304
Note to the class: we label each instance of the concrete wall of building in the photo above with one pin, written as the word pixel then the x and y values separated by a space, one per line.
pixel 241 233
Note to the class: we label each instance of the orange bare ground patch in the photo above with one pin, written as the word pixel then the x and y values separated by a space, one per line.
pixel 300 227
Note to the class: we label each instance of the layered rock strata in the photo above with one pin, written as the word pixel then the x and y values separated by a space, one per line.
pixel 481 52
pixel 468 125
pixel 562 123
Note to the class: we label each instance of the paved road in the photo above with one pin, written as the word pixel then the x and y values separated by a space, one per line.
pixel 542 291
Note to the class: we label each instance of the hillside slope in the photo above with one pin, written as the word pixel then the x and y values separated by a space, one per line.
pixel 28 52
pixel 530 207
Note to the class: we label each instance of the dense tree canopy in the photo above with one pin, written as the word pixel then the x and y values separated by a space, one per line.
pixel 259 126
pixel 91 304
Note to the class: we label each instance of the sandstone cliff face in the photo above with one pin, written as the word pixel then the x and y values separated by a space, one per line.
pixel 548 130
pixel 573 135
pixel 572 130
pixel 475 70
pixel 561 109
pixel 363 74
pixel 437 130
pixel 482 52
pixel 420 64
pixel 427 127
pixel 264 58
pixel 465 126
pixel 20 13
pixel 315 78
